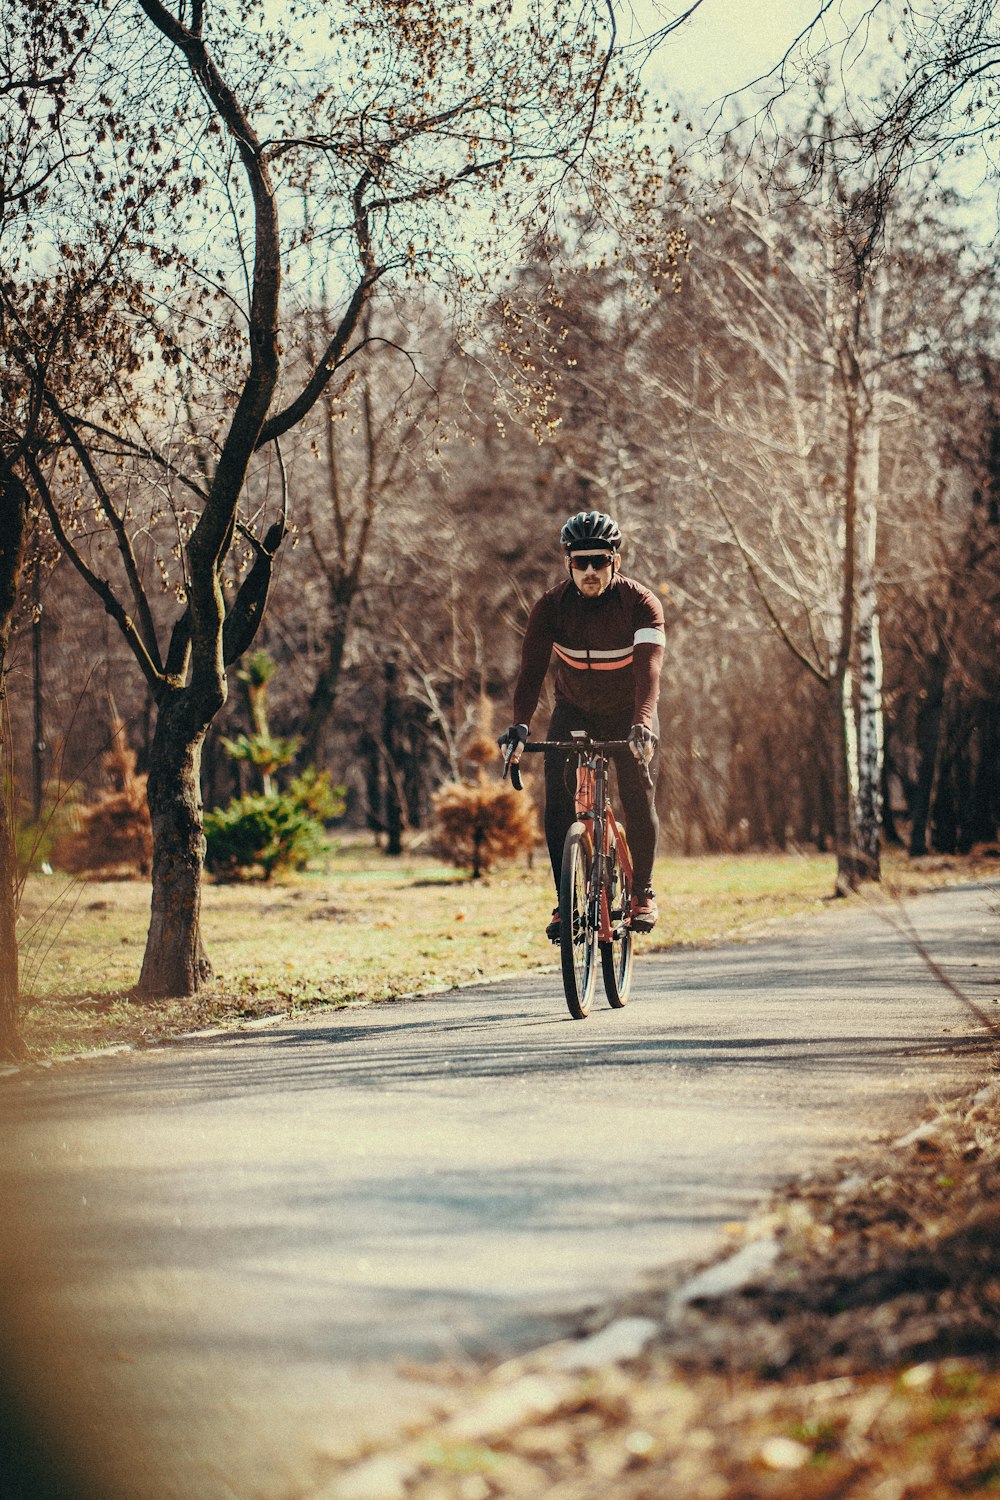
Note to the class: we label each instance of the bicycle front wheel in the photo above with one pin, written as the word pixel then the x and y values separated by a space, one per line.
pixel 577 933
pixel 616 956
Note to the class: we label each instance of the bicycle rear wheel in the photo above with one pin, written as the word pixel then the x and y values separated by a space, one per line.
pixel 617 956
pixel 577 935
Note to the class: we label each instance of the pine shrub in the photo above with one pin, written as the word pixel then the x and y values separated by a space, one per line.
pixel 261 835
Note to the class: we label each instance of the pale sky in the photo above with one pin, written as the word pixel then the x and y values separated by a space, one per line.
pixel 725 45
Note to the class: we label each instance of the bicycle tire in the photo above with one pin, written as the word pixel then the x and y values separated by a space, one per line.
pixel 577 936
pixel 617 956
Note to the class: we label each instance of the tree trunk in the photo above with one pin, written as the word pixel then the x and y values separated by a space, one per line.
pixel 944 811
pixel 843 740
pixel 175 962
pixel 870 737
pixel 11 1045
pixel 390 749
pixel 13 520
pixel 963 782
pixel 871 733
pixel 38 738
pixel 928 737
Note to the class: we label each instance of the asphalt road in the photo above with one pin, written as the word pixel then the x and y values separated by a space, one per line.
pixel 216 1253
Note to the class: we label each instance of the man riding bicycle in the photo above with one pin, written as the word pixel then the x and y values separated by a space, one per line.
pixel 607 634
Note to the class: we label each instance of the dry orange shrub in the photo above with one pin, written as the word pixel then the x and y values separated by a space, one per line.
pixel 111 835
pixel 480 820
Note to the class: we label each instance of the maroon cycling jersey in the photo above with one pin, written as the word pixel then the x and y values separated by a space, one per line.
pixel 608 650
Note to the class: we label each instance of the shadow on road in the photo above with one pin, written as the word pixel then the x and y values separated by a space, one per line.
pixel 421 1042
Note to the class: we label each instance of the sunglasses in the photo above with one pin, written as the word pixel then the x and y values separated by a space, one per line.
pixel 581 561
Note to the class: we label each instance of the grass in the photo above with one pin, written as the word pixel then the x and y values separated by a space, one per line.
pixel 365 928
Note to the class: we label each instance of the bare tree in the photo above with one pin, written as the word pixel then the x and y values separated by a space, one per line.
pixel 780 379
pixel 377 435
pixel 39 70
pixel 941 100
pixel 205 129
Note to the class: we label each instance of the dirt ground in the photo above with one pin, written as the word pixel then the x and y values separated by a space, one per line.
pixel 862 1360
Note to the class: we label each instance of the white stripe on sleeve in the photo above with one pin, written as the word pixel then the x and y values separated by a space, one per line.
pixel 649 638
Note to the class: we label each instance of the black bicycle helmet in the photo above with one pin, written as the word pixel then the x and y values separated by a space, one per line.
pixel 590 528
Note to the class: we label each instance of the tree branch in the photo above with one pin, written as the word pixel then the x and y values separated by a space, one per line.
pixel 243 620
pixel 801 656
pixel 333 355
pixel 139 598
pixel 151 669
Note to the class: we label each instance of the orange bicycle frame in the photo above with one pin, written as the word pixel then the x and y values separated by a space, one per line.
pixel 586 788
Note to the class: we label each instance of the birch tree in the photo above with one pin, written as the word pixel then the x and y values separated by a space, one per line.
pixel 767 405
pixel 793 326
pixel 866 416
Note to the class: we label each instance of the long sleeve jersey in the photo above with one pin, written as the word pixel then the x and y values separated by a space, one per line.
pixel 609 651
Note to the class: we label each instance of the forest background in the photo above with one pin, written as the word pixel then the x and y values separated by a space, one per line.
pixel 507 293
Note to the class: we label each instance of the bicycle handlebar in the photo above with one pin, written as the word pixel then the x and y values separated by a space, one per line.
pixel 583 744
pixel 598 747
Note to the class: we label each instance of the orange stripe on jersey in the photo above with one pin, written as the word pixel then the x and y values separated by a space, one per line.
pixel 578 659
pixel 581 666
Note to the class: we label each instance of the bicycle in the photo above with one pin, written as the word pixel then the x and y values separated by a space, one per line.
pixel 595 882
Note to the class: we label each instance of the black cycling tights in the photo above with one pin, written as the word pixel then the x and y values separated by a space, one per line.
pixel 636 799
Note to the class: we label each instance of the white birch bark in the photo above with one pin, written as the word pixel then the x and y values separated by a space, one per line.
pixel 851 758
pixel 869 649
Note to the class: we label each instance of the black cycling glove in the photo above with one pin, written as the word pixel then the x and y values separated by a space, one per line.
pixel 513 737
pixel 642 742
